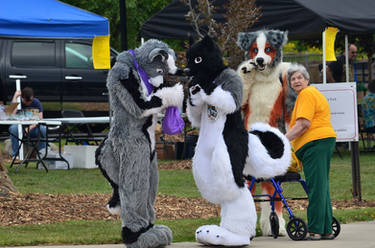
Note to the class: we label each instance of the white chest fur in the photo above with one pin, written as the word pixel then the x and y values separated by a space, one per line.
pixel 262 97
pixel 211 129
pixel 263 90
pixel 151 131
pixel 211 163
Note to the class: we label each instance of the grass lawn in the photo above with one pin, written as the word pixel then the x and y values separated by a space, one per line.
pixel 172 182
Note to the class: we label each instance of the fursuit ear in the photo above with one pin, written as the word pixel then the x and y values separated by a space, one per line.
pixel 244 40
pixel 171 52
pixel 285 38
pixel 208 41
pixel 158 52
pixel 279 38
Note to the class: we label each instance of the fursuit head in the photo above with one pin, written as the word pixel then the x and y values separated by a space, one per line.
pixel 127 157
pixel 267 96
pixel 225 151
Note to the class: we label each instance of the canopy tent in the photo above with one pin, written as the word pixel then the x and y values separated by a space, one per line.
pixel 49 18
pixel 54 19
pixel 304 19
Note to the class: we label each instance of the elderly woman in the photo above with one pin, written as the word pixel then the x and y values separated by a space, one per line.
pixel 313 139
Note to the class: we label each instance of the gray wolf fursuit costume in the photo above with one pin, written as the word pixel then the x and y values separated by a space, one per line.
pixel 127 157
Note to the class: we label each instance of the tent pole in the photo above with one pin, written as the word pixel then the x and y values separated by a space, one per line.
pixel 324 57
pixel 124 38
pixel 346 58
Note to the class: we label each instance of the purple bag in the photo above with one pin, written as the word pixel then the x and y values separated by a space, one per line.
pixel 172 122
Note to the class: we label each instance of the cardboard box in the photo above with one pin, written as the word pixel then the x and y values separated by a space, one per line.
pixel 9 109
pixel 83 156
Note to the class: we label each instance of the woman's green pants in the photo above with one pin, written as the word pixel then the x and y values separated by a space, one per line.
pixel 316 158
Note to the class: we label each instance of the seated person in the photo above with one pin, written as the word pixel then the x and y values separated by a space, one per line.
pixel 28 101
pixel 368 108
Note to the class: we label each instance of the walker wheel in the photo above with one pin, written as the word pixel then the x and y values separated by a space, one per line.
pixel 274 222
pixel 296 229
pixel 336 228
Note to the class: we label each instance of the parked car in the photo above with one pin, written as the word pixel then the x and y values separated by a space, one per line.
pixel 57 69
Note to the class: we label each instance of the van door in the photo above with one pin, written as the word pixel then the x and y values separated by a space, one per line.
pixel 37 60
pixel 81 81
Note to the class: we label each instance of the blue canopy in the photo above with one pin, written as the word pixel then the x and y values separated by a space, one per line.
pixel 49 18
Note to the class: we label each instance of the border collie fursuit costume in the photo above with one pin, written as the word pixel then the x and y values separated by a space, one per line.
pixel 127 157
pixel 267 96
pixel 225 151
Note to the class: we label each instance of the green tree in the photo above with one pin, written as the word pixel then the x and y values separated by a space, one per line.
pixel 240 16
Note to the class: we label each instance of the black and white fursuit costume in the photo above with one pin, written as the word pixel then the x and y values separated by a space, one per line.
pixel 225 150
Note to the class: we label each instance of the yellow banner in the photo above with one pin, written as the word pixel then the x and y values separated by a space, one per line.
pixel 101 52
pixel 330 35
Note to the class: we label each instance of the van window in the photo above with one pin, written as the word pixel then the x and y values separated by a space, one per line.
pixel 33 54
pixel 78 55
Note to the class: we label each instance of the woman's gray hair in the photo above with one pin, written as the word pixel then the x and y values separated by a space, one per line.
pixel 297 68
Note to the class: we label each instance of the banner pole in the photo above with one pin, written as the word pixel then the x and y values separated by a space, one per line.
pixel 324 57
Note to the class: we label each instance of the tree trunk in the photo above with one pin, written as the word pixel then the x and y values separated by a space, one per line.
pixel 6 184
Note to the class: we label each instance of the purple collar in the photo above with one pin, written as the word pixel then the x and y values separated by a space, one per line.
pixel 142 73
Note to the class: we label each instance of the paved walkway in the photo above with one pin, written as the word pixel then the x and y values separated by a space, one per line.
pixel 360 234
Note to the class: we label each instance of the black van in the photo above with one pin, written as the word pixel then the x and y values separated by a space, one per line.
pixel 57 69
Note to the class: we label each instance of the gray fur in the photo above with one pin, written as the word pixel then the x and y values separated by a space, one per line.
pixel 232 82
pixel 125 154
pixel 245 40
pixel 158 236
pixel 150 63
pixel 158 52
pixel 277 39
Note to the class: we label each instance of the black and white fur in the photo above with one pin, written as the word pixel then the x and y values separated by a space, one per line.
pixel 225 151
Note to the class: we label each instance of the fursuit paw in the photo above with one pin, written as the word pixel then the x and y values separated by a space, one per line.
pixel 113 205
pixel 282 229
pixel 195 98
pixel 171 96
pixel 265 227
pixel 157 236
pixel 216 235
pixel 179 95
pixel 246 66
pixel 115 210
